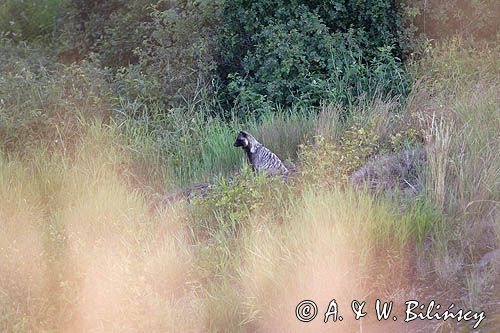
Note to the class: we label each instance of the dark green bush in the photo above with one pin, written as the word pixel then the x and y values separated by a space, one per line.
pixel 289 52
pixel 264 53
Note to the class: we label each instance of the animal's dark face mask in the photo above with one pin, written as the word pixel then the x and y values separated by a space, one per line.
pixel 241 140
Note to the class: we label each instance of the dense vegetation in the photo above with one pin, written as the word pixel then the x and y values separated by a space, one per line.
pixel 248 55
pixel 106 106
pixel 304 52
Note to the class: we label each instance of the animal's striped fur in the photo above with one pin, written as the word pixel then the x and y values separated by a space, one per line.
pixel 260 158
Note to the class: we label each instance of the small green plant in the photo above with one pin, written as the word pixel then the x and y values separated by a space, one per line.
pixel 327 164
pixel 232 202
pixel 406 138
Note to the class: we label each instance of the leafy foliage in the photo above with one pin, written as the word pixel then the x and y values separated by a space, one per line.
pixel 175 60
pixel 326 164
pixel 112 29
pixel 41 101
pixel 264 53
pixel 161 50
pixel 304 52
pixel 27 20
pixel 233 201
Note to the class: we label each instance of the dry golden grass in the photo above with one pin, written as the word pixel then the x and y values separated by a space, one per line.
pixel 82 249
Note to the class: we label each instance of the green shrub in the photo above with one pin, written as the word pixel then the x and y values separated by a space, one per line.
pixel 304 52
pixel 175 60
pixel 232 202
pixel 42 103
pixel 28 20
pixel 326 164
pixel 162 50
pixel 112 29
pixel 264 53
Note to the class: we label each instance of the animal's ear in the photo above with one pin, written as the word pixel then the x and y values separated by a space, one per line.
pixel 245 134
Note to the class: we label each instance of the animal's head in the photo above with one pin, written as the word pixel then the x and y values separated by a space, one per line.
pixel 244 140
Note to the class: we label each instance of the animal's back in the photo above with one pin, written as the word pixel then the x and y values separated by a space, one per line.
pixel 267 161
